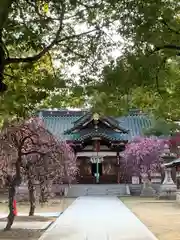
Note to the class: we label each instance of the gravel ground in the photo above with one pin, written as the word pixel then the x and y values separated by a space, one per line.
pixel 161 217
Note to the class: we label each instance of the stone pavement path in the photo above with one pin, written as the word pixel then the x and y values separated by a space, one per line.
pixel 35 225
pixel 27 225
pixel 98 218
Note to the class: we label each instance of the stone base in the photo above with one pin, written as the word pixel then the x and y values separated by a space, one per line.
pixel 167 191
pixel 148 192
pixel 178 196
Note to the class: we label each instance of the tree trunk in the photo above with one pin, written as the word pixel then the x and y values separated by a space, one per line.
pixel 43 194
pixel 32 197
pixel 11 216
pixel 13 182
pixel 5 6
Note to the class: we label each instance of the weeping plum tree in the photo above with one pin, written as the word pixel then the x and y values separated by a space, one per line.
pixel 36 155
pixel 58 164
pixel 142 157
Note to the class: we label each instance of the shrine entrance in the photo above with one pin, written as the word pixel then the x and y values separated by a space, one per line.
pixel 96 169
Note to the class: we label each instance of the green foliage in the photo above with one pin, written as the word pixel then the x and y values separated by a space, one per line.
pixel 149 69
pixel 75 32
pixel 30 85
pixel 67 32
pixel 72 31
pixel 161 127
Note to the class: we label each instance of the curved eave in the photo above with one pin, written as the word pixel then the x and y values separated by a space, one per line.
pixel 97 135
pixel 173 163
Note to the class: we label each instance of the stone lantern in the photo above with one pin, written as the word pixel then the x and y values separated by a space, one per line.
pixel 176 164
pixel 168 188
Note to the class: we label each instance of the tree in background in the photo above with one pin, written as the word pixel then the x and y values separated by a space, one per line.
pixel 35 153
pixel 142 157
pixel 162 128
pixel 128 83
pixel 30 87
pixel 174 141
pixel 146 75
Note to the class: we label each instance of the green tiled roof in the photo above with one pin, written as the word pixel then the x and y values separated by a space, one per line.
pixel 57 122
pixel 112 122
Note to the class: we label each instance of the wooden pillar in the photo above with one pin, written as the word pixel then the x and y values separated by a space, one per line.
pixel 118 167
pixel 178 177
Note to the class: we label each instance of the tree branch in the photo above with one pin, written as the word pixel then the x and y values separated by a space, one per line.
pixel 32 152
pixel 45 50
pixel 167 46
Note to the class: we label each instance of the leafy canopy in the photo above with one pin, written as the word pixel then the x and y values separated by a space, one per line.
pixel 147 73
pixel 70 31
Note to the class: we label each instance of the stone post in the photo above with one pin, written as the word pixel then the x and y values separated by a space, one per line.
pixel 147 190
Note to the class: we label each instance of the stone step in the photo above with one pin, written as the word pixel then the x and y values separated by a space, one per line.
pixel 92 190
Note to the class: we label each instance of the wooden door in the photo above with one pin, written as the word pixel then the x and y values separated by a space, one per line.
pixel 85 175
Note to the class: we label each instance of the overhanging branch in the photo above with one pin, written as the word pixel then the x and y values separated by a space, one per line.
pixel 45 50
pixel 167 46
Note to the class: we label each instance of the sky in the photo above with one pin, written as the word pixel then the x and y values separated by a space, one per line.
pixel 114 54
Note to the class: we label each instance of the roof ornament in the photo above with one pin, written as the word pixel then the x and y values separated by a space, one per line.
pixel 96 116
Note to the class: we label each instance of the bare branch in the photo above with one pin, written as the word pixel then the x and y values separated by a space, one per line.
pixel 32 152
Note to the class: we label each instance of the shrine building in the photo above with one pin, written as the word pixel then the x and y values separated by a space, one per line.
pixel 97 140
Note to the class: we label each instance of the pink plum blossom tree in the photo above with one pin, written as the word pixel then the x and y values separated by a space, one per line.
pixel 142 157
pixel 29 151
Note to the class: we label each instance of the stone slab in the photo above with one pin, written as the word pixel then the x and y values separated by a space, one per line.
pixel 27 225
pixel 98 218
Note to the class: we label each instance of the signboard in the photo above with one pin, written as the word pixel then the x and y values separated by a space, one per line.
pixel 135 180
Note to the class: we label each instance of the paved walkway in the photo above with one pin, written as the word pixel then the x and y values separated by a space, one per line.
pixel 35 225
pixel 98 218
